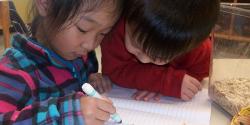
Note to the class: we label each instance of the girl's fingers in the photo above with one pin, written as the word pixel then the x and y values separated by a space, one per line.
pixel 106 83
pixel 100 83
pixel 105 106
pixel 99 122
pixel 93 83
pixel 93 121
pixel 99 89
pixel 96 81
pixel 102 88
pixel 102 115
pixel 109 83
pixel 104 98
pixel 95 111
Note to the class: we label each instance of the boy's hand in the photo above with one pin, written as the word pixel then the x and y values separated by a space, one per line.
pixel 190 86
pixel 96 111
pixel 100 82
pixel 146 95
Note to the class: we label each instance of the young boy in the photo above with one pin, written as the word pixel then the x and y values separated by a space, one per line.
pixel 161 47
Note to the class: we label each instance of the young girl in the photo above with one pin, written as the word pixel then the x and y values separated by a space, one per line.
pixel 161 47
pixel 41 77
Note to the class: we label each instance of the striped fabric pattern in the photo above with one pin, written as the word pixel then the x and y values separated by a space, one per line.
pixel 37 86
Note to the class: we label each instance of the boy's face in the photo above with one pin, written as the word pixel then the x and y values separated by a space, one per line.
pixel 136 50
pixel 79 38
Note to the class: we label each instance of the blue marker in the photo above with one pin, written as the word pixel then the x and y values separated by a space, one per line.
pixel 90 91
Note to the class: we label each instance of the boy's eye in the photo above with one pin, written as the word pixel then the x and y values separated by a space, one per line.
pixel 103 34
pixel 81 30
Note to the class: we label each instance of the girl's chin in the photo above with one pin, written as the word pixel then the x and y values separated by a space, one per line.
pixel 71 58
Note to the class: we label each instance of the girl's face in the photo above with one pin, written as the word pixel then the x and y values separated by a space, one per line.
pixel 83 36
pixel 137 51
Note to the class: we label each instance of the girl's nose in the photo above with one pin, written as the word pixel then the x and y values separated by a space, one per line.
pixel 89 44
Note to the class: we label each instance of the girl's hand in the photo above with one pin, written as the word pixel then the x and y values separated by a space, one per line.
pixel 190 87
pixel 100 82
pixel 96 111
pixel 146 95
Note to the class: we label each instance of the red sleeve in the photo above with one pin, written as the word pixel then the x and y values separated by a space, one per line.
pixel 124 69
pixel 196 62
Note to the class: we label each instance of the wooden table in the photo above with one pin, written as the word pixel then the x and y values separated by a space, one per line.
pixel 5 22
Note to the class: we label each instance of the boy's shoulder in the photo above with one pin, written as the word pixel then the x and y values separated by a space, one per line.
pixel 205 45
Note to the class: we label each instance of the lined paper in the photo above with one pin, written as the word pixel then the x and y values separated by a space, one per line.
pixel 133 117
pixel 168 111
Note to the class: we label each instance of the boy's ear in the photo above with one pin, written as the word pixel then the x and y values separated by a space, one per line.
pixel 42 7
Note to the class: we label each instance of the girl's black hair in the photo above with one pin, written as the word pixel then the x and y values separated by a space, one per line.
pixel 61 11
pixel 165 29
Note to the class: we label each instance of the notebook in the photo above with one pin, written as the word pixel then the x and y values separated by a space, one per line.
pixel 168 111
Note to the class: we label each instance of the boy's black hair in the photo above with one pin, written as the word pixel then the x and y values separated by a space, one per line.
pixel 61 11
pixel 165 29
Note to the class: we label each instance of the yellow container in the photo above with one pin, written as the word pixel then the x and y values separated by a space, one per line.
pixel 242 118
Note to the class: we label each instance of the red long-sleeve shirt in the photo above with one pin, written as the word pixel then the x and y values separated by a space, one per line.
pixel 124 69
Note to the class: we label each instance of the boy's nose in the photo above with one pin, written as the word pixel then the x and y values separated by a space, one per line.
pixel 143 59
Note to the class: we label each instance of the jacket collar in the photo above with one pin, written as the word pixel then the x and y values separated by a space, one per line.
pixel 40 54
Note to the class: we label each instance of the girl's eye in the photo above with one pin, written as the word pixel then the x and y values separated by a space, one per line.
pixel 81 30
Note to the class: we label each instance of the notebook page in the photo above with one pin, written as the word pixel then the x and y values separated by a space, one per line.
pixel 196 111
pixel 132 117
